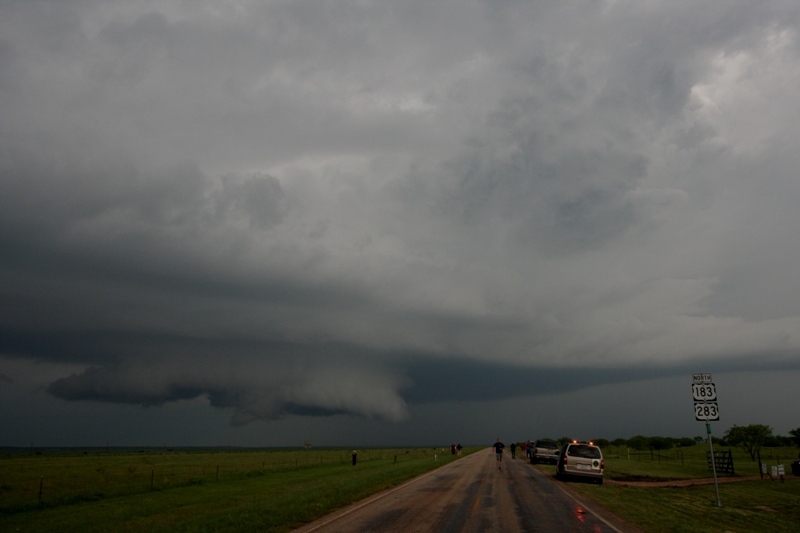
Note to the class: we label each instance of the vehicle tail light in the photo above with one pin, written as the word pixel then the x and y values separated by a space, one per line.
pixel 602 464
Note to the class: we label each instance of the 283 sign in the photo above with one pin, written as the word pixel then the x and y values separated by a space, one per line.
pixel 706 411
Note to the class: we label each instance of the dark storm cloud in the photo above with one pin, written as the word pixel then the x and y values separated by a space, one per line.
pixel 129 225
pixel 474 381
pixel 288 209
pixel 576 202
pixel 256 382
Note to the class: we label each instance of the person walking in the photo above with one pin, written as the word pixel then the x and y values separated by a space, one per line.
pixel 498 451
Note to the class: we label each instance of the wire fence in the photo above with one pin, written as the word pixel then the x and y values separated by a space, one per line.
pixel 56 479
pixel 695 461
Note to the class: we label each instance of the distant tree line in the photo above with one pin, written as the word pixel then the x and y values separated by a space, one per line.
pixel 750 438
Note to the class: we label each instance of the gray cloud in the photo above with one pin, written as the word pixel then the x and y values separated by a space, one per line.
pixel 253 389
pixel 360 210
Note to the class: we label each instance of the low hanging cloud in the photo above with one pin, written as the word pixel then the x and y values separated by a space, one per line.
pixel 255 389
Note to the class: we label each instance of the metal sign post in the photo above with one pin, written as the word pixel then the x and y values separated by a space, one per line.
pixel 704 393
pixel 713 463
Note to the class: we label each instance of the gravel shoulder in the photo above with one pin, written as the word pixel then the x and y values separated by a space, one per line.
pixel 679 482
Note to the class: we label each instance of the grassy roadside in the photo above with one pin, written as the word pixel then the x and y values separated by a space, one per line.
pixel 281 490
pixel 746 506
pixel 759 505
pixel 273 495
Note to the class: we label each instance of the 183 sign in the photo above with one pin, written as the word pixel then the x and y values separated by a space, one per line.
pixel 704 392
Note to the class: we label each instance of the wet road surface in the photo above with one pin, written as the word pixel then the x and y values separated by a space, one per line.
pixel 473 495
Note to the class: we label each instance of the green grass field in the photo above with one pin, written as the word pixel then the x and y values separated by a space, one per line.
pixel 262 490
pixel 278 490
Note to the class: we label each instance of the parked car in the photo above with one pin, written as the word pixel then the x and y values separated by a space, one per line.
pixel 581 459
pixel 544 451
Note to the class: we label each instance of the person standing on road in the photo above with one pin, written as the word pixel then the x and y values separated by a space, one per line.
pixel 513 450
pixel 498 450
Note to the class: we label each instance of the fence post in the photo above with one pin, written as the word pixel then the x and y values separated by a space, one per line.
pixel 152 478
pixel 41 484
pixel 760 470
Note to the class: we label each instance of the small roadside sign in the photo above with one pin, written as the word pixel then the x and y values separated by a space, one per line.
pixel 701 378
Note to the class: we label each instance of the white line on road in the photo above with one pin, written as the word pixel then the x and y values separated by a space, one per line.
pixel 365 503
pixel 586 507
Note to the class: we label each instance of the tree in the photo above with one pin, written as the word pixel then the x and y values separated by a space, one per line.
pixel 750 438
pixel 795 436
pixel 660 443
pixel 778 441
pixel 639 442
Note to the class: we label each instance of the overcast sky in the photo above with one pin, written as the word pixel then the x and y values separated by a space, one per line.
pixel 410 222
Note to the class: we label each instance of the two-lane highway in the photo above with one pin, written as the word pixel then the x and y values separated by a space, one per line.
pixel 471 495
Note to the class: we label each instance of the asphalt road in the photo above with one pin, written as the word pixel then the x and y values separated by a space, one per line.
pixel 473 495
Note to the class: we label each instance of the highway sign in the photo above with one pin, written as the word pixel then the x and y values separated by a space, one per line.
pixel 704 392
pixel 706 411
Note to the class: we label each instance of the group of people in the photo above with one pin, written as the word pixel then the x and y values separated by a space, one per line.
pixel 455 449
pixel 524 447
